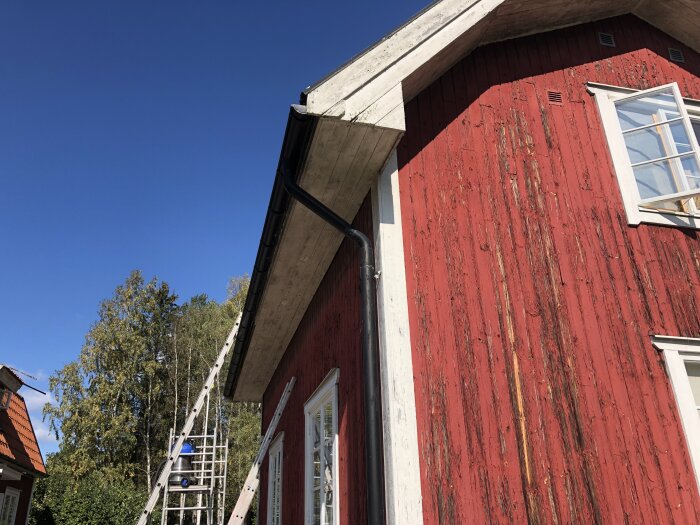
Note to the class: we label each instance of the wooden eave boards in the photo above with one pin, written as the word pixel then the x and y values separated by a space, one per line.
pixel 362 118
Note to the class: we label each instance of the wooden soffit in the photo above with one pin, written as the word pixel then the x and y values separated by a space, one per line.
pixel 361 110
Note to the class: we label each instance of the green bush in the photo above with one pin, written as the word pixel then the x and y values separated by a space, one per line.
pixel 60 500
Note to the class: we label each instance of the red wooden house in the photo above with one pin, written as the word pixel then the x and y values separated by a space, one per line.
pixel 20 458
pixel 526 348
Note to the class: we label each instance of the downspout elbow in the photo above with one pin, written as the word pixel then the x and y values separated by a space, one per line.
pixel 374 460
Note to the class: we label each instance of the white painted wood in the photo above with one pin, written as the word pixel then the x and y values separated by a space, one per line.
pixel 428 45
pixel 376 73
pixel 605 98
pixel 325 392
pixel 399 44
pixel 386 112
pixel 343 162
pixel 401 457
pixel 676 352
pixel 274 480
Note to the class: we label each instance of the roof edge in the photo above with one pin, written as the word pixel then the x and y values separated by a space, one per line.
pixel 295 145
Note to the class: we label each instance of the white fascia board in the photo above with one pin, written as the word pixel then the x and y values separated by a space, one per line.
pixel 401 456
pixel 371 84
pixel 7 473
pixel 378 81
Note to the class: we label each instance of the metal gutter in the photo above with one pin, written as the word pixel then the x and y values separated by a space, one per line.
pixel 371 390
pixel 297 138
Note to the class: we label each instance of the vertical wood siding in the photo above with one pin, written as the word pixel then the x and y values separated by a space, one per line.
pixel 540 398
pixel 328 337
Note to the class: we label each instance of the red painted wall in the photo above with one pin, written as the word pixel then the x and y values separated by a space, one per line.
pixel 24 485
pixel 328 337
pixel 540 398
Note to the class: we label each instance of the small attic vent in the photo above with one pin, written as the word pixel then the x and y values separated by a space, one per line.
pixel 606 39
pixel 676 54
pixel 554 97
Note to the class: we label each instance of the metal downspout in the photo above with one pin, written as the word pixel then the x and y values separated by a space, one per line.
pixel 374 460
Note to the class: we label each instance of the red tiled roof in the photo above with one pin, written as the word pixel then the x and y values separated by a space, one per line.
pixel 17 439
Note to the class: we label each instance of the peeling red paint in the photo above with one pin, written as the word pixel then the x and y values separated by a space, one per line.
pixel 328 337
pixel 540 398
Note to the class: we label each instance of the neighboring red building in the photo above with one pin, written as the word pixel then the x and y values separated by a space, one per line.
pixel 528 175
pixel 20 459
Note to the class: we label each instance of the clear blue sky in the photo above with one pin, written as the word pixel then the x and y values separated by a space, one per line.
pixel 145 134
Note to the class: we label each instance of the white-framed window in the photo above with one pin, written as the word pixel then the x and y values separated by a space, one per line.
pixel 682 358
pixel 9 506
pixel 321 465
pixel 274 483
pixel 653 139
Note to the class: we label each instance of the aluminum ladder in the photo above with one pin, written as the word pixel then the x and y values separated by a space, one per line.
pixel 251 483
pixel 161 486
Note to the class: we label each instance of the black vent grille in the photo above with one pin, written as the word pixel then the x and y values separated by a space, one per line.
pixel 554 97
pixel 607 39
pixel 676 54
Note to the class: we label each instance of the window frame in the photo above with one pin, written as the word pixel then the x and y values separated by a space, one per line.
pixel 606 96
pixel 10 492
pixel 326 391
pixel 676 352
pixel 275 453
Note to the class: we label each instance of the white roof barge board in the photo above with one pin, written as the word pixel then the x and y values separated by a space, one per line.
pixel 361 118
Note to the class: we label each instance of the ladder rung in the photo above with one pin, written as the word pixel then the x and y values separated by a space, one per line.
pixel 188 508
pixel 191 488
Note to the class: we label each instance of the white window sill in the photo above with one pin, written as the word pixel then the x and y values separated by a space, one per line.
pixel 677 220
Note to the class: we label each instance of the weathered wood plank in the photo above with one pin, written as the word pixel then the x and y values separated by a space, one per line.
pixel 328 337
pixel 540 398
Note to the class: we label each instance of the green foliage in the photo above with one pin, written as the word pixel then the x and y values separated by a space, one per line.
pixel 139 372
pixel 62 499
pixel 244 435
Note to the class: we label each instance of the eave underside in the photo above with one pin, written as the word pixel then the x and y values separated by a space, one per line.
pixel 360 110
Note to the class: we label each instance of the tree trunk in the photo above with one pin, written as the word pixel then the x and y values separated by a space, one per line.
pixel 148 434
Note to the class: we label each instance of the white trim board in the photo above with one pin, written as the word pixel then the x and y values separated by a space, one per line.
pixel 372 87
pixel 401 458
pixel 676 351
pixel 275 453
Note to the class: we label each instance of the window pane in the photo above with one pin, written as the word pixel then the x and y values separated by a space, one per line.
pixel 693 370
pixel 657 142
pixel 659 107
pixel 696 130
pixel 317 507
pixel 658 178
pixel 328 438
pixel 691 171
pixel 317 429
pixel 317 469
pixel 329 508
pixel 681 142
